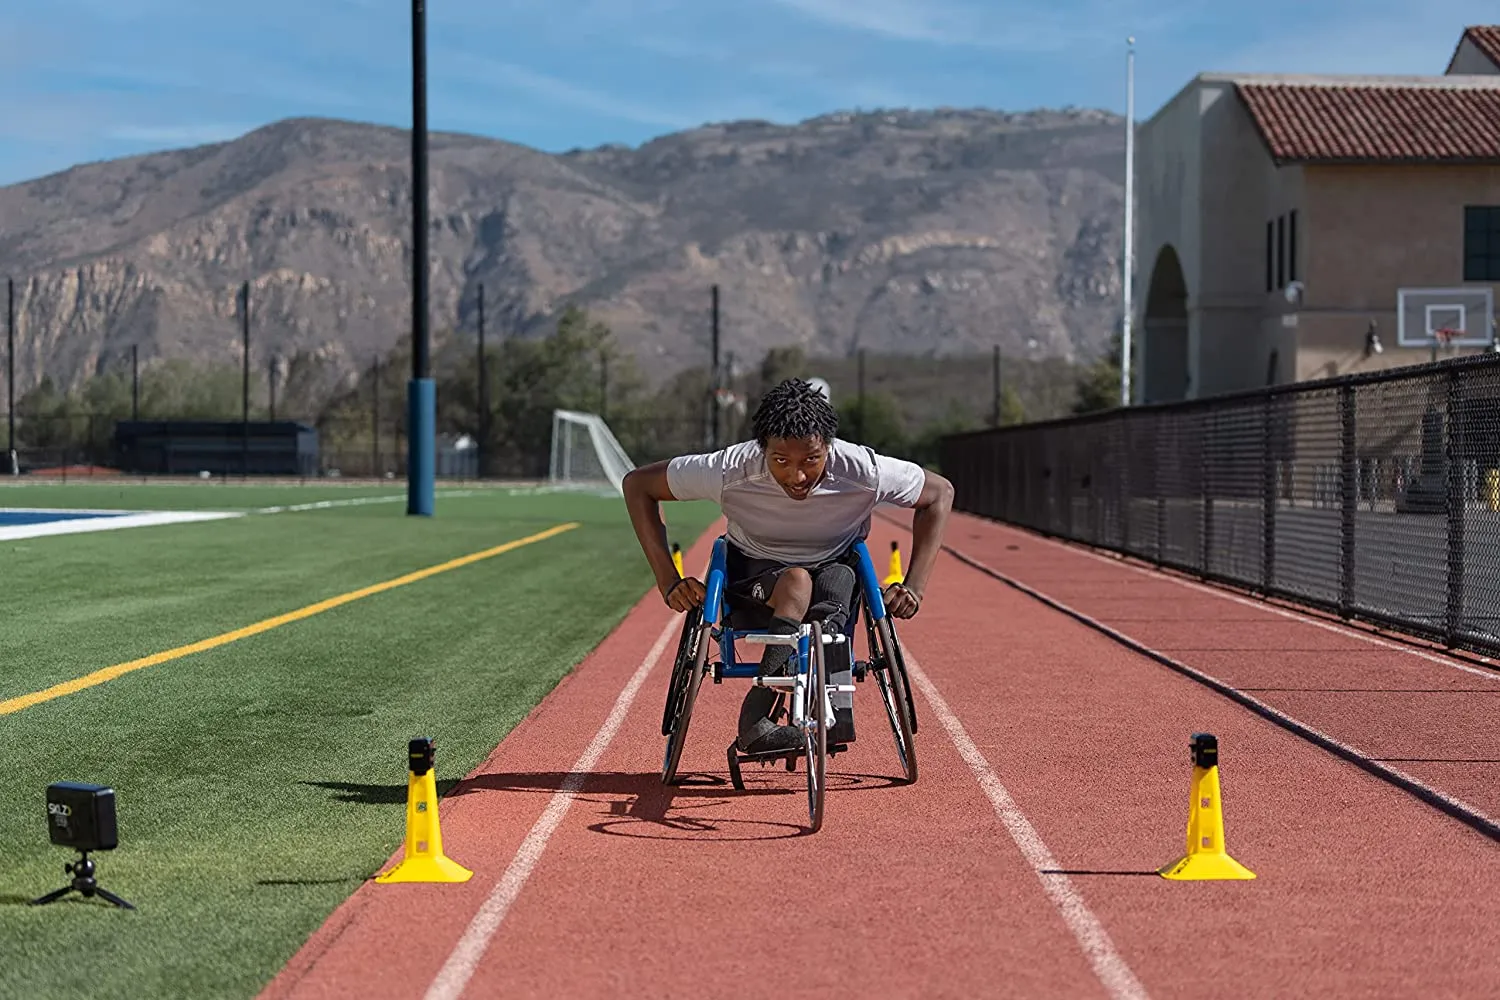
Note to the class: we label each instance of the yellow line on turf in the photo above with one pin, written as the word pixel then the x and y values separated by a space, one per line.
pixel 120 669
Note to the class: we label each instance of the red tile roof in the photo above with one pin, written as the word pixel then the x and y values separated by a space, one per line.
pixel 1376 123
pixel 1485 38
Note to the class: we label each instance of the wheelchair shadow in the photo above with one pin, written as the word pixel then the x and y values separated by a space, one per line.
pixel 639 805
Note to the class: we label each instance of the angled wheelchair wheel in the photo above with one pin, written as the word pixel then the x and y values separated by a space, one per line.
pixel 682 692
pixel 815 739
pixel 895 692
pixel 900 659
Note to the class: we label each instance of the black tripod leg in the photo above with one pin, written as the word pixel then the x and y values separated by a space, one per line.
pixel 105 893
pixel 52 897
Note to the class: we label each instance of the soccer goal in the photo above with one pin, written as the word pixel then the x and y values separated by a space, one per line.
pixel 585 454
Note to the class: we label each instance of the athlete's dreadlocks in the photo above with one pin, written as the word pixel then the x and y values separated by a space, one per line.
pixel 794 409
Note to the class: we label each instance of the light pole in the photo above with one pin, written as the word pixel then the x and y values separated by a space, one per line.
pixel 421 397
pixel 1125 335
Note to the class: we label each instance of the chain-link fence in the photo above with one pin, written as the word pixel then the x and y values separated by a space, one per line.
pixel 1376 496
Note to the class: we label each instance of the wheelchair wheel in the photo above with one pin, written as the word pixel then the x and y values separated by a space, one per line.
pixel 895 691
pixel 682 693
pixel 911 702
pixel 815 701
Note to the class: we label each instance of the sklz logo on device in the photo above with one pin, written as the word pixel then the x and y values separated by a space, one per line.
pixel 60 812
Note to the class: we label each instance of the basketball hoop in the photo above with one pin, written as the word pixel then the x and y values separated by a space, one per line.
pixel 1444 336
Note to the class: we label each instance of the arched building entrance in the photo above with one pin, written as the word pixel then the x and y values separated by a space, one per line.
pixel 1165 357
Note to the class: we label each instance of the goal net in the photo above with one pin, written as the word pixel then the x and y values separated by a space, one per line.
pixel 585 454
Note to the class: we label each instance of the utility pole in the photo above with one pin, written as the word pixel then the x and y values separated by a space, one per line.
pixel 375 421
pixel 10 369
pixel 1125 333
pixel 603 385
pixel 713 380
pixel 483 394
pixel 135 382
pixel 995 391
pixel 245 395
pixel 271 386
pixel 859 422
pixel 421 394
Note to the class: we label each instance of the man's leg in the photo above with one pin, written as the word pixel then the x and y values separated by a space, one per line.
pixel 789 600
pixel 832 604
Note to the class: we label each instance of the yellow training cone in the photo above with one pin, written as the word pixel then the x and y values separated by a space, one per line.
pixel 894 575
pixel 1206 857
pixel 424 860
pixel 677 558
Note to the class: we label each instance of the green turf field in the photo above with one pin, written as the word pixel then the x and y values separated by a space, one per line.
pixel 258 783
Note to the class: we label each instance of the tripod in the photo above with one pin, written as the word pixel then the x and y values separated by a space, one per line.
pixel 84 883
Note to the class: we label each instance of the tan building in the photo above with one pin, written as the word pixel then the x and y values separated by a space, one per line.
pixel 1296 227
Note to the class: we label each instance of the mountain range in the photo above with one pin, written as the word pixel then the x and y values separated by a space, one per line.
pixel 930 233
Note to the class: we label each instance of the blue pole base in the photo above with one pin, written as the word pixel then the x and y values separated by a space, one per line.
pixel 421 446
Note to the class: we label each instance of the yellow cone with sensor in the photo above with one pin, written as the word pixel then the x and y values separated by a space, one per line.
pixel 1206 856
pixel 424 860
pixel 677 557
pixel 894 574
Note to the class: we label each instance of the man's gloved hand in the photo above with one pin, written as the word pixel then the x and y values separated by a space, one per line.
pixel 901 601
pixel 684 594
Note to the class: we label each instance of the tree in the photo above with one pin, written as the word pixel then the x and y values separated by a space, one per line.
pixel 1098 386
pixel 877 423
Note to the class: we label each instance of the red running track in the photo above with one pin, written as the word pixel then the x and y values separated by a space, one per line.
pixel 1054 780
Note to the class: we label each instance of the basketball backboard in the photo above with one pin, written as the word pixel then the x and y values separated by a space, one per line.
pixel 1421 312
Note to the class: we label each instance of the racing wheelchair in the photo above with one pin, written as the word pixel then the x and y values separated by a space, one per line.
pixel 806 694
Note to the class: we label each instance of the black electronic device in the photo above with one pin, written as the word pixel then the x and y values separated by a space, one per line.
pixel 82 816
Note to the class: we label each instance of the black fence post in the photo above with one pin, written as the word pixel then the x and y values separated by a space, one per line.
pixel 1205 493
pixel 1348 498
pixel 1454 454
pixel 1124 456
pixel 1268 495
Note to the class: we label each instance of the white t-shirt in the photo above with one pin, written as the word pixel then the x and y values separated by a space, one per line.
pixel 767 524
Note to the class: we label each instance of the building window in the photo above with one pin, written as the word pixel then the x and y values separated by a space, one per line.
pixel 1270 256
pixel 1291 244
pixel 1280 251
pixel 1481 243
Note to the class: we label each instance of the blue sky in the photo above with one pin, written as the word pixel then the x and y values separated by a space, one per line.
pixel 94 79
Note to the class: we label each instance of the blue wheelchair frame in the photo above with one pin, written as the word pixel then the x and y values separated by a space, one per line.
pixel 714 608
pixel 713 620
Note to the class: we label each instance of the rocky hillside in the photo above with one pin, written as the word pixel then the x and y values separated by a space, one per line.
pixel 929 233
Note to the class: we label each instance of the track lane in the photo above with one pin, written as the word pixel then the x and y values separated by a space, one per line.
pixel 702 891
pixel 1362 889
pixel 1430 716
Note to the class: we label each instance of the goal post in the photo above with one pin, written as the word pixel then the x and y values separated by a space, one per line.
pixel 585 454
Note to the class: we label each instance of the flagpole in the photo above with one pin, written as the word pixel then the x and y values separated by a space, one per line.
pixel 1129 255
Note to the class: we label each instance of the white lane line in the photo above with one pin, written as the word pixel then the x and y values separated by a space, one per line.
pixel 1109 967
pixel 1283 612
pixel 354 502
pixel 460 966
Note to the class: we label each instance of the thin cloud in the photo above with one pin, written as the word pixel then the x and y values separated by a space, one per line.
pixel 1031 27
pixel 506 75
pixel 189 134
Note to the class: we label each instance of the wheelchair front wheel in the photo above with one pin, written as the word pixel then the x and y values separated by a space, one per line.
pixel 682 694
pixel 815 738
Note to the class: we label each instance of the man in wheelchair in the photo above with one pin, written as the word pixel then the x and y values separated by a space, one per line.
pixel 797 499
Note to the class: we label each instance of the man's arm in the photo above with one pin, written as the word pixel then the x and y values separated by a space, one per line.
pixel 928 522
pixel 645 489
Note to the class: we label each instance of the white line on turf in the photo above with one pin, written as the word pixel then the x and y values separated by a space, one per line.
pixel 460 966
pixel 85 524
pixel 355 502
pixel 1108 966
